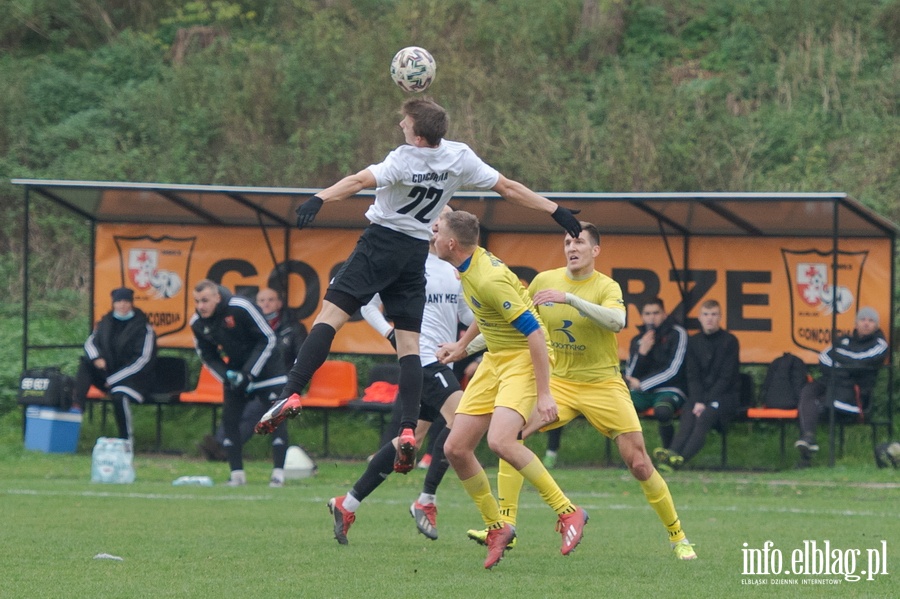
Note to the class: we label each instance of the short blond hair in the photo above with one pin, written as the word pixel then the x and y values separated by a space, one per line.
pixel 463 226
pixel 205 284
pixel 710 304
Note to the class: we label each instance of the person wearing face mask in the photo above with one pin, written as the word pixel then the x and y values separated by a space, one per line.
pixel 119 357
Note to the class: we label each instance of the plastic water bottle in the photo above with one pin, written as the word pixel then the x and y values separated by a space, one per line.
pixel 112 461
pixel 200 481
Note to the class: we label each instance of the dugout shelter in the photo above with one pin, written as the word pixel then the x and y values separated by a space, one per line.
pixel 788 268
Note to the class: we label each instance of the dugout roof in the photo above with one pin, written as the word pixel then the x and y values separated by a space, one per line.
pixel 681 216
pixel 766 214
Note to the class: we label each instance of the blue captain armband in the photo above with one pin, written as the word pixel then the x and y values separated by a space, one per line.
pixel 526 323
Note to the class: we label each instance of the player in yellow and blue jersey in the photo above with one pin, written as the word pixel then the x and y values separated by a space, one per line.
pixel 583 310
pixel 512 381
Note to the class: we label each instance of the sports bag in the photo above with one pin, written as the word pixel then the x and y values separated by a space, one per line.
pixel 784 380
pixel 46 387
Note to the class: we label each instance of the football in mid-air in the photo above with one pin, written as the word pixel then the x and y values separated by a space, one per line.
pixel 413 69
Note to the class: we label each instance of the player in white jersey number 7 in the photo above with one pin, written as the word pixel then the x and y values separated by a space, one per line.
pixel 413 184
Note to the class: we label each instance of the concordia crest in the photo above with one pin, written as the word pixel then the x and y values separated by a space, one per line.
pixel 157 269
pixel 814 297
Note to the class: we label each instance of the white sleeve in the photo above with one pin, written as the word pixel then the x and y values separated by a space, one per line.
pixel 90 348
pixel 476 345
pixel 481 174
pixel 373 315
pixel 608 318
pixel 387 171
pixel 463 311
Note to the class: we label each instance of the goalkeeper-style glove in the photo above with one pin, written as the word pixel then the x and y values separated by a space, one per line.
pixel 307 211
pixel 566 219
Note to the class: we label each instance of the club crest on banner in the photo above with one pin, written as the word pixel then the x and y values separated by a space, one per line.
pixel 814 296
pixel 157 268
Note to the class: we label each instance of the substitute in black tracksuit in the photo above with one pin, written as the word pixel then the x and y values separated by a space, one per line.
pixel 851 365
pixel 654 372
pixel 119 359
pixel 290 334
pixel 227 326
pixel 713 382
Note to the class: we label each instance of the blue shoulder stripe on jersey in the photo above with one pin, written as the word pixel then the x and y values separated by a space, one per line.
pixel 526 323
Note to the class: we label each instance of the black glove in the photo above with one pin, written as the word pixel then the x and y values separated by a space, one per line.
pixel 237 381
pixel 566 219
pixel 307 211
pixel 392 338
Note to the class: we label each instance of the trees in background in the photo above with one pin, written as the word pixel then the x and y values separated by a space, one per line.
pixel 594 95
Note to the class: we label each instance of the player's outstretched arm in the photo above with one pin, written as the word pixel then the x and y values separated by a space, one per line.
pixel 348 186
pixel 343 189
pixel 519 194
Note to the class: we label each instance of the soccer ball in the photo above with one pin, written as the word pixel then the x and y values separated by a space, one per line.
pixel 413 69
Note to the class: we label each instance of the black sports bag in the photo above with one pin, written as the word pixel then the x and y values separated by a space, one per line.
pixel 46 387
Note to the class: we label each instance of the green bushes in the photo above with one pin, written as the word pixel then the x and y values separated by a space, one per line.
pixel 612 95
pixel 699 95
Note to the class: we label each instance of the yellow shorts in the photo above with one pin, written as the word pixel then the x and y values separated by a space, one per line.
pixel 505 379
pixel 606 405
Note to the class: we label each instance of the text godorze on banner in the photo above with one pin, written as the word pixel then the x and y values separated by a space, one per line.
pixel 777 294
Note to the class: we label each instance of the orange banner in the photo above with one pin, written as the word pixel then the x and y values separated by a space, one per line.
pixel 777 294
pixel 142 256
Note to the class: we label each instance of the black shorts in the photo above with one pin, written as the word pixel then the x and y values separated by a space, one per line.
pixel 438 383
pixel 390 264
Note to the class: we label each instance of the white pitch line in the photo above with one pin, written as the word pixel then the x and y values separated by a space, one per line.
pixel 600 507
pixel 105 494
pixel 766 510
pixel 524 505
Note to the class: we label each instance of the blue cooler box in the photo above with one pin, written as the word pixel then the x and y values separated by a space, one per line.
pixel 51 430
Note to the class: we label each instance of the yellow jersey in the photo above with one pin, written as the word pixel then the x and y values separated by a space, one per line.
pixel 497 298
pixel 584 350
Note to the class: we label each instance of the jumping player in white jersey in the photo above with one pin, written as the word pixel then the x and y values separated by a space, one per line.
pixel 413 184
pixel 444 309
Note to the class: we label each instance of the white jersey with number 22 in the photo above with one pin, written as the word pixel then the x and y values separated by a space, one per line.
pixel 414 184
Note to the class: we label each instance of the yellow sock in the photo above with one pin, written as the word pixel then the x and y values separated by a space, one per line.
pixel 659 498
pixel 479 489
pixel 537 475
pixel 509 485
